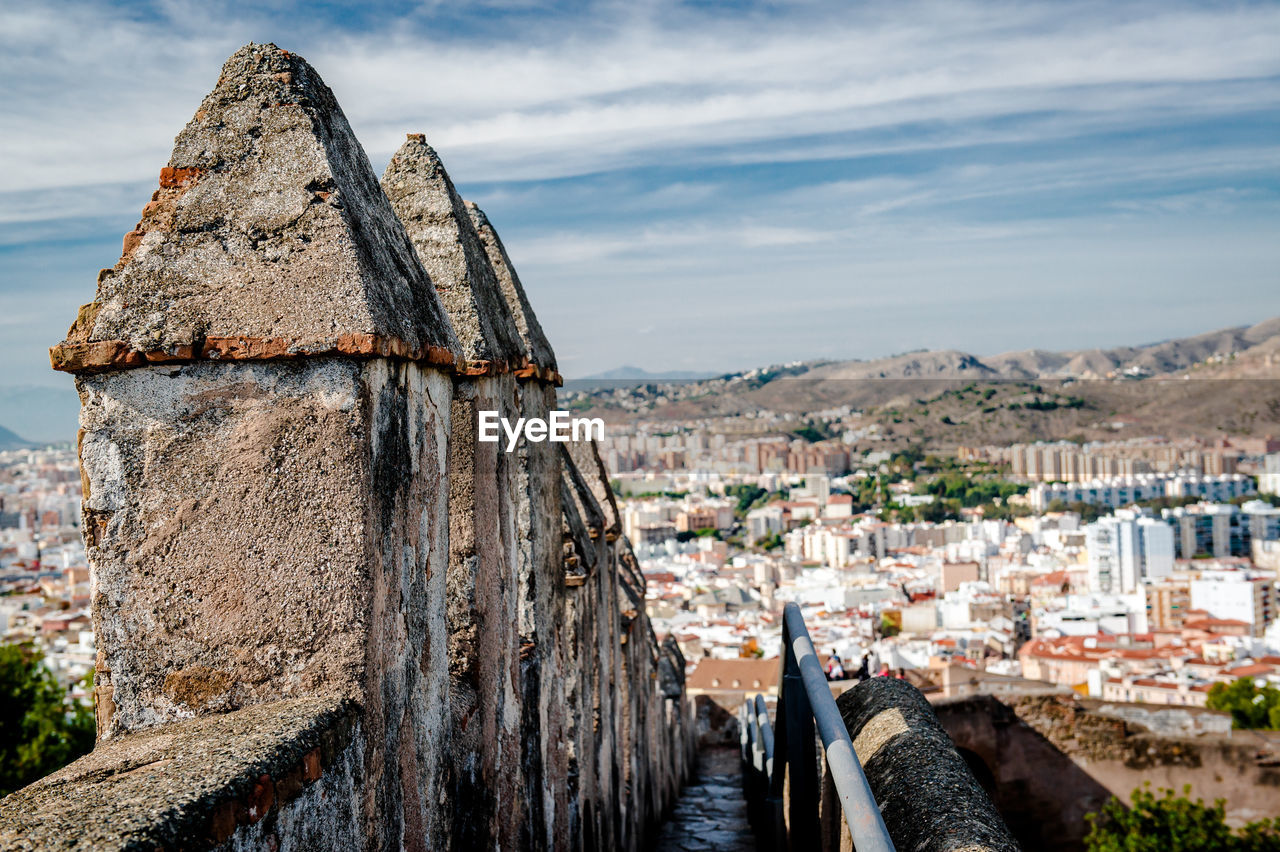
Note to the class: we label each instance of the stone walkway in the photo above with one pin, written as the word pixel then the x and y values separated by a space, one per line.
pixel 711 813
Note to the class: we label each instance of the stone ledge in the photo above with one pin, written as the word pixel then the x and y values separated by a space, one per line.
pixel 187 785
pixel 929 799
pixel 103 355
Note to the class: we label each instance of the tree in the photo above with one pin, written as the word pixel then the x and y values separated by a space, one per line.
pixel 1173 824
pixel 770 542
pixel 747 495
pixel 40 730
pixel 1250 706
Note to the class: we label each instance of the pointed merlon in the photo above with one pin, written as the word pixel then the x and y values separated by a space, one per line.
pixel 589 465
pixel 269 237
pixel 537 349
pixel 450 249
pixel 580 492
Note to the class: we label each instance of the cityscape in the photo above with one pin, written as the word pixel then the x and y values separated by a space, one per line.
pixel 644 427
pixel 1133 578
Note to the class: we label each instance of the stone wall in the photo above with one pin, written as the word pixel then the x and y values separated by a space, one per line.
pixel 1049 760
pixel 327 615
pixel 927 793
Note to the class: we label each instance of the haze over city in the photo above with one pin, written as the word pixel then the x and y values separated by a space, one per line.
pixel 704 187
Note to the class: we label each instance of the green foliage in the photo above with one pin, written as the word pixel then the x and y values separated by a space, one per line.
pixel 770 542
pixel 748 496
pixel 887 627
pixel 1250 706
pixel 1159 503
pixel 1167 823
pixel 811 434
pixel 40 731
pixel 971 492
pixel 934 463
pixel 1273 499
pixel 903 462
pixel 936 512
pixel 1004 511
pixel 1087 511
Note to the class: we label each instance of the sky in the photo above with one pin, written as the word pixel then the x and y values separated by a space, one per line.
pixel 716 186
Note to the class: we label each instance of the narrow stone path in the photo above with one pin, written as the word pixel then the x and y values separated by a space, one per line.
pixel 711 813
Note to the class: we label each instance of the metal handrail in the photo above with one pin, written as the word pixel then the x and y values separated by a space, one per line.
pixel 780 768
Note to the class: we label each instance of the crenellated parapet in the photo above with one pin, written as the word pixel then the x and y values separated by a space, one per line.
pixel 327 614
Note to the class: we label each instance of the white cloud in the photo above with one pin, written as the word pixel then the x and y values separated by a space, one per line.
pixel 989 101
pixel 98 96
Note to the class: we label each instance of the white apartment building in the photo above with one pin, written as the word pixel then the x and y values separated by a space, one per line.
pixel 1247 596
pixel 1126 549
pixel 1089 615
pixel 1269 479
pixel 1121 491
pixel 1215 489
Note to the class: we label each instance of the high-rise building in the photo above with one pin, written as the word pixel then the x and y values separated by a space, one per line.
pixel 1127 549
pixel 1208 529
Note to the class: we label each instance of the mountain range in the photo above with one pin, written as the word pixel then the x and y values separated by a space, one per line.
pixel 1208 385
pixel 1153 359
pixel 1124 381
pixel 10 441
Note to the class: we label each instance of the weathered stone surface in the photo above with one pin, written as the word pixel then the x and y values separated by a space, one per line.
pixel 578 492
pixel 483 614
pixel 537 349
pixel 595 476
pixel 541 618
pixel 261 530
pixel 929 799
pixel 483 579
pixel 580 554
pixel 266 770
pixel 441 229
pixel 260 524
pixel 711 813
pixel 285 502
pixel 1049 760
pixel 269 225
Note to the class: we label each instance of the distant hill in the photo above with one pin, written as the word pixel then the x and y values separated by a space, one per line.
pixel 629 372
pixel 628 376
pixel 10 441
pixel 43 414
pixel 1221 382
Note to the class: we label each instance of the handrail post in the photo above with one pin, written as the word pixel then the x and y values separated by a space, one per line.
pixel 801 761
pixel 766 734
pixel 776 796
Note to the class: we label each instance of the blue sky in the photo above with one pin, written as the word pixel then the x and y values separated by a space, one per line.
pixel 713 185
